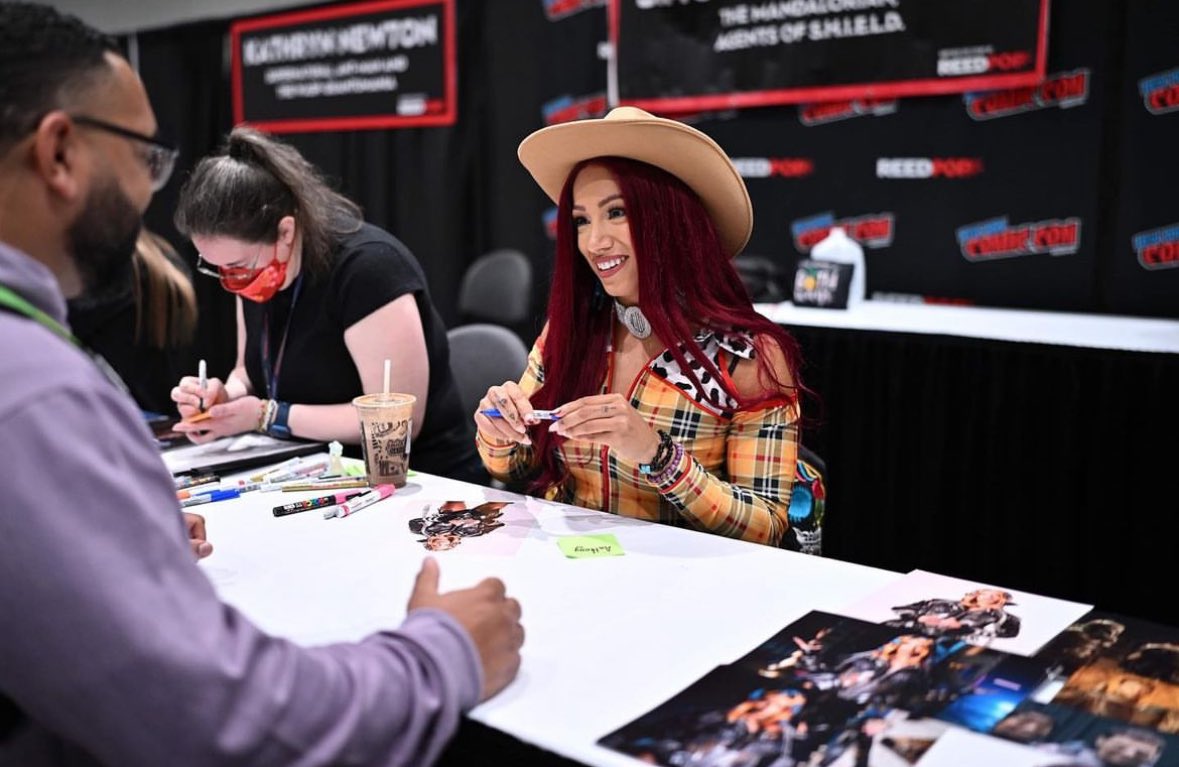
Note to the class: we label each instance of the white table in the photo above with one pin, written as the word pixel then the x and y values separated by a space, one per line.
pixel 607 639
pixel 1095 331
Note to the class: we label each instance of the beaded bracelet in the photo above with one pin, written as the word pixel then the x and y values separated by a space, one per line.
pixel 663 453
pixel 493 445
pixel 266 415
pixel 669 471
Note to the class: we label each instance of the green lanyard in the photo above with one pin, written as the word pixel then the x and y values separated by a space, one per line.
pixel 10 300
pixel 18 304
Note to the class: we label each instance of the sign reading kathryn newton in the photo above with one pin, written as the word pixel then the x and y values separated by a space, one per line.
pixel 380 64
pixel 682 56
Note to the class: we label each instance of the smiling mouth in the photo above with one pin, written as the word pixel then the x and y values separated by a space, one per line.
pixel 608 266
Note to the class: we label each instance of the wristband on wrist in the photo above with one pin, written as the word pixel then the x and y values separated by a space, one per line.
pixel 278 421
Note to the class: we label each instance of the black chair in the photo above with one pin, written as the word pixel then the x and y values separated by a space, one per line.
pixel 763 279
pixel 482 355
pixel 497 288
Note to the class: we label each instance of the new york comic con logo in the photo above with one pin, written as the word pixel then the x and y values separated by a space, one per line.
pixel 1158 248
pixel 567 108
pixel 823 112
pixel 873 230
pixel 1060 89
pixel 995 238
pixel 555 10
pixel 1160 93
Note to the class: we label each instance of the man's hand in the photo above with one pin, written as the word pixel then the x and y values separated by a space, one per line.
pixel 490 617
pixel 195 524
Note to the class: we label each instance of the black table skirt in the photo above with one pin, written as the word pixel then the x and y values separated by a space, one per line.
pixel 1043 468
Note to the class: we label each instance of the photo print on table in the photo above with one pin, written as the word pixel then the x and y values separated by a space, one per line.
pixel 826 688
pixel 1070 736
pixel 938 605
pixel 448 524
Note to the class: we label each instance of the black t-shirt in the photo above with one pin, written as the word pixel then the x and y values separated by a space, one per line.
pixel 368 269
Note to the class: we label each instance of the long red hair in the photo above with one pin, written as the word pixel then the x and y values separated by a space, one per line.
pixel 686 280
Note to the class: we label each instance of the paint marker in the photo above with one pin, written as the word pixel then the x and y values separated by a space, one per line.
pixel 241 486
pixel 262 476
pixel 378 493
pixel 203 374
pixel 535 415
pixel 193 480
pixel 214 495
pixel 297 471
pixel 296 486
pixel 316 503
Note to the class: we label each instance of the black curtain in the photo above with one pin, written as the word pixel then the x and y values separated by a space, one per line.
pixel 451 194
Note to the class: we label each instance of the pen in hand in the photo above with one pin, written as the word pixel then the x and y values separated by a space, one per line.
pixel 535 415
pixel 203 374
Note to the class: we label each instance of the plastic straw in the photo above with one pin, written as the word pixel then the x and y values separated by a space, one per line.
pixel 388 363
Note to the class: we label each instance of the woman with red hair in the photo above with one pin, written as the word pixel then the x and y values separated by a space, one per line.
pixel 673 399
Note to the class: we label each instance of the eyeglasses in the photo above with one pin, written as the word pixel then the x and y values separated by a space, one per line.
pixel 160 157
pixel 232 278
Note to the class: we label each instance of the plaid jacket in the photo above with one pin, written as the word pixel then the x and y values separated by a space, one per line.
pixel 737 472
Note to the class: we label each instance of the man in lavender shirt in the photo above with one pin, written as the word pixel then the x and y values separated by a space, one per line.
pixel 114 648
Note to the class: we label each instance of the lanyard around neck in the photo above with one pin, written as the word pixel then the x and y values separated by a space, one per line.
pixel 18 304
pixel 272 372
pixel 11 300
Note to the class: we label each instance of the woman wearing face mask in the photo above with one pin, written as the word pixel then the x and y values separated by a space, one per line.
pixel 323 300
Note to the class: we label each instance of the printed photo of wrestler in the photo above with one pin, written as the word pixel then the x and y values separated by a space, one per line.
pixel 445 528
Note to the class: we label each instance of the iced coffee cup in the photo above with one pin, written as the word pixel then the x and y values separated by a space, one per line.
pixel 386 423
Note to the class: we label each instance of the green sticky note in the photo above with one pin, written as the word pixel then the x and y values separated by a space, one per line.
pixel 588 546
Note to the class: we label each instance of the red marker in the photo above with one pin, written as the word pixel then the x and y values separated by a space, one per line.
pixel 378 493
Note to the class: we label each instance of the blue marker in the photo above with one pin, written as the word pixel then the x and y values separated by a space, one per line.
pixel 215 495
pixel 535 415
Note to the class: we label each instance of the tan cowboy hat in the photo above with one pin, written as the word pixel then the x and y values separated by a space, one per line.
pixel 550 153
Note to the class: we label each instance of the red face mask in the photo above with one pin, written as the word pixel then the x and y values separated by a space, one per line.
pixel 257 285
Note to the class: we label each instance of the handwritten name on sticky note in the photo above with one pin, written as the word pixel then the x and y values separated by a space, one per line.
pixel 588 546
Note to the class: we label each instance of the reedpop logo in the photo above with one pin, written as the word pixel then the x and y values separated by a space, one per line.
pixel 958 62
pixel 928 167
pixel 765 167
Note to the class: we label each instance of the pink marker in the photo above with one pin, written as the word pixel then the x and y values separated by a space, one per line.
pixel 378 493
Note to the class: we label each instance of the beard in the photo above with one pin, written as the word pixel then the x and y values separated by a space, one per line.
pixel 102 238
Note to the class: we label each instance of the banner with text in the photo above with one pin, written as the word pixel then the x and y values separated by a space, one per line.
pixel 383 64
pixel 688 55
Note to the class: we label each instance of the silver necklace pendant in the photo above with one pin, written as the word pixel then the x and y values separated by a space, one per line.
pixel 634 320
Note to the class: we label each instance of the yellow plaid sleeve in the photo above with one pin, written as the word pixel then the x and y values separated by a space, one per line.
pixel 515 462
pixel 752 504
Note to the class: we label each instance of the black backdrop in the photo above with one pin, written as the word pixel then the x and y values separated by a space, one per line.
pixel 453 193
